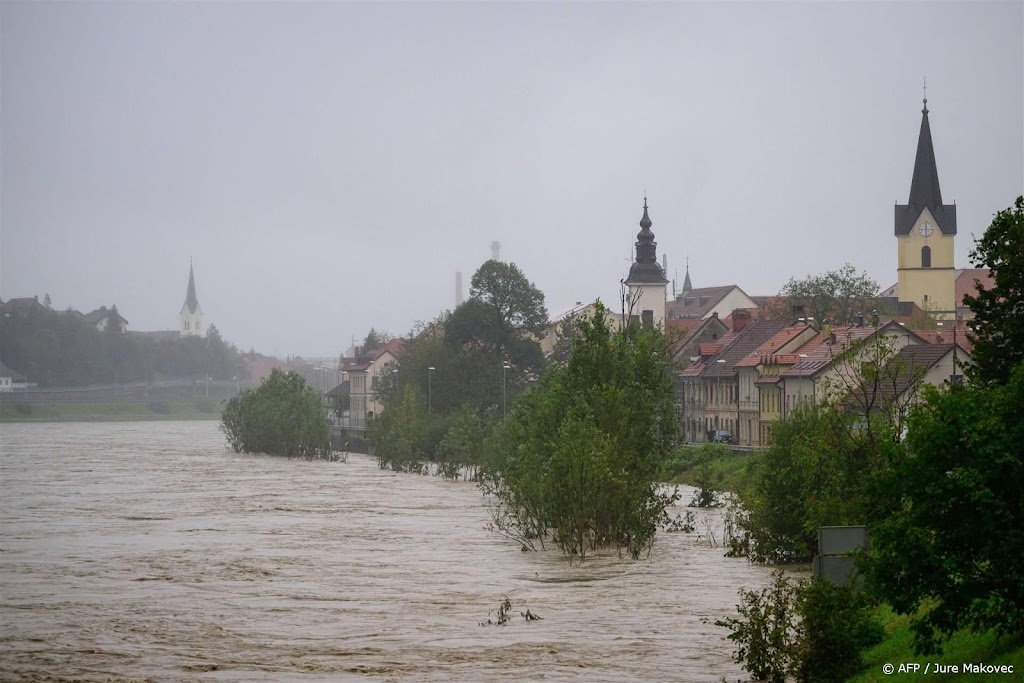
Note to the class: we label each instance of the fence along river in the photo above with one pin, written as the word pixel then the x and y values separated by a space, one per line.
pixel 148 551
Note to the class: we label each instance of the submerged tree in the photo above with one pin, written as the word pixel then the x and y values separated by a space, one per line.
pixel 283 416
pixel 578 461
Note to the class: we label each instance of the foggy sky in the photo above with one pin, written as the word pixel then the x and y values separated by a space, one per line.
pixel 329 167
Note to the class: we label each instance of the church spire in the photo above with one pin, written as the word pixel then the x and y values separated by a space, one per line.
pixel 645 268
pixel 924 187
pixel 191 300
pixel 687 285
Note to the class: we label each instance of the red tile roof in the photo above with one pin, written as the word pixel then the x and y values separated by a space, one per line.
pixel 734 347
pixel 780 339
pixel 710 348
pixel 818 359
pixel 965 282
pixel 682 328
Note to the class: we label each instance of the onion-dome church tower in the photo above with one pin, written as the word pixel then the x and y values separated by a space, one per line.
pixel 647 282
pixel 191 315
pixel 925 229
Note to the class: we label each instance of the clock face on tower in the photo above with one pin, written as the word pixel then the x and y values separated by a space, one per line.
pixel 925 229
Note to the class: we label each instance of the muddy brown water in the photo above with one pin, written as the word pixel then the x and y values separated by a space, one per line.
pixel 148 551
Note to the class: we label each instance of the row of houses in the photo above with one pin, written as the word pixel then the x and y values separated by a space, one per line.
pixel 738 387
pixel 98 318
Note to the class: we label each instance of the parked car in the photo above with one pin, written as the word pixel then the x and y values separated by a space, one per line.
pixel 721 436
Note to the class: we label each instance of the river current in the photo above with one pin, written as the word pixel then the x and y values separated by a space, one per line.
pixel 149 551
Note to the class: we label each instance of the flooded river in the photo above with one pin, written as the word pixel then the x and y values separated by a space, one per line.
pixel 148 551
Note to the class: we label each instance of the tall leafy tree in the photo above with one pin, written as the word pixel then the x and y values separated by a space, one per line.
pixel 514 301
pixel 954 541
pixel 998 325
pixel 836 295
pixel 374 340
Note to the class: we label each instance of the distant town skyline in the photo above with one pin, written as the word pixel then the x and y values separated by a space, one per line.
pixel 328 168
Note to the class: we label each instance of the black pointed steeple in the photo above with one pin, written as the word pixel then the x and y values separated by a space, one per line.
pixel 687 285
pixel 191 300
pixel 924 187
pixel 645 268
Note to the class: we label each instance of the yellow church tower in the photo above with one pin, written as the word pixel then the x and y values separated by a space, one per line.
pixel 925 230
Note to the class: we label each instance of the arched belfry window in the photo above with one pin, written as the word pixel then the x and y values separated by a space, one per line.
pixel 926 257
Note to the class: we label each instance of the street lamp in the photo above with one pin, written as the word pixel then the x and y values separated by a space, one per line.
pixel 956 323
pixel 800 397
pixel 718 396
pixel 430 373
pixel 504 367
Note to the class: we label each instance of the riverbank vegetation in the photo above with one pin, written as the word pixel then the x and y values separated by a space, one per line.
pixel 572 454
pixel 965 645
pixel 63 349
pixel 936 477
pixel 459 375
pixel 578 462
pixel 711 466
pixel 109 411
pixel 283 416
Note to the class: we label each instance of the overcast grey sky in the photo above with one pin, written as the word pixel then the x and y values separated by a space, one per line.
pixel 330 166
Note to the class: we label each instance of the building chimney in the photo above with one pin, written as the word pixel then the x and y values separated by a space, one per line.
pixel 860 320
pixel 458 288
pixel 741 319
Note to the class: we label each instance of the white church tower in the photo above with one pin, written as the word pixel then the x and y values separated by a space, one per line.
pixel 647 282
pixel 191 313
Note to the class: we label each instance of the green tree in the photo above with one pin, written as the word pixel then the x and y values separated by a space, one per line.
pixel 954 541
pixel 822 456
pixel 997 330
pixel 836 295
pixel 374 340
pixel 505 314
pixel 567 331
pixel 405 436
pixel 516 303
pixel 810 631
pixel 596 483
pixel 283 416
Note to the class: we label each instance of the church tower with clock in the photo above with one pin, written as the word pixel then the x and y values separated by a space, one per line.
pixel 925 230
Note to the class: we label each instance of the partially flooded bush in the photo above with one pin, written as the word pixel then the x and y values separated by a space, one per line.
pixel 580 460
pixel 282 417
pixel 810 630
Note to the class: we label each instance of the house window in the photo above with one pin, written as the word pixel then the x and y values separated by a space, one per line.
pixel 926 257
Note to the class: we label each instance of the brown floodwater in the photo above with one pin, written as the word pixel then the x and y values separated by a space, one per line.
pixel 149 551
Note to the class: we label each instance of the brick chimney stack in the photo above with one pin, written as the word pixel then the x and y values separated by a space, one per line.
pixel 741 319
